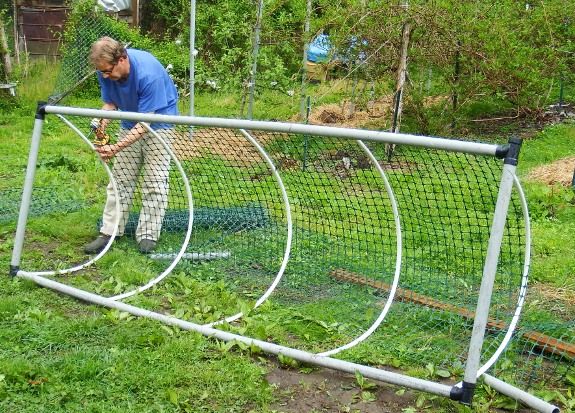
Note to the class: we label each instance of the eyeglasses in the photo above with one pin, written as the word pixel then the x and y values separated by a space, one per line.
pixel 109 71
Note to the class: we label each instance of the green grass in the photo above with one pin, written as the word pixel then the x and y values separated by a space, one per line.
pixel 552 208
pixel 58 354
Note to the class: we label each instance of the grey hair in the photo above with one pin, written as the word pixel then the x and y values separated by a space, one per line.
pixel 107 50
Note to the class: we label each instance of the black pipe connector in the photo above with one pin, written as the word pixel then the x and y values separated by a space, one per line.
pixel 463 394
pixel 512 156
pixel 41 110
pixel 501 151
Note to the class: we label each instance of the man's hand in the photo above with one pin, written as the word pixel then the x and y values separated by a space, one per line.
pixel 99 128
pixel 107 152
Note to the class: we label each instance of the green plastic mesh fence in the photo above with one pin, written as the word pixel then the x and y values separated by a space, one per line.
pixel 343 251
pixel 87 24
pixel 46 200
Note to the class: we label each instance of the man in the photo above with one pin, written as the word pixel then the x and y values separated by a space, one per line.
pixel 134 81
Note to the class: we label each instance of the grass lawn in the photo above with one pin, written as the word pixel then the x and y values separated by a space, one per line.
pixel 58 354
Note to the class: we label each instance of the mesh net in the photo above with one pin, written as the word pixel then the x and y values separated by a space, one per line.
pixel 86 25
pixel 343 250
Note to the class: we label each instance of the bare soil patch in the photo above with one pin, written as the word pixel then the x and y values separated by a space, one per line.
pixel 327 390
pixel 347 115
pixel 228 144
pixel 559 172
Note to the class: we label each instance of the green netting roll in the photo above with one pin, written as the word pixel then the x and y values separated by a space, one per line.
pixel 45 200
pixel 230 219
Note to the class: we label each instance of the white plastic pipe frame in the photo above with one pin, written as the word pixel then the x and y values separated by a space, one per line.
pixel 321 359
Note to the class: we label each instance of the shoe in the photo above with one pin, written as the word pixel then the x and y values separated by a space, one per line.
pixel 147 245
pixel 97 245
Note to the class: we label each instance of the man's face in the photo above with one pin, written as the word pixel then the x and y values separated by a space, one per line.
pixel 114 71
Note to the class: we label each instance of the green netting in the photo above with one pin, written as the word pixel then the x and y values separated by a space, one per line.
pixel 342 257
pixel 343 252
pixel 87 23
pixel 231 219
pixel 46 200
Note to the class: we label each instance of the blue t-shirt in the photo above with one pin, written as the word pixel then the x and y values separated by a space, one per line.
pixel 147 89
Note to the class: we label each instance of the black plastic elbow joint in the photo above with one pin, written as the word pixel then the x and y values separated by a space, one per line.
pixel 41 110
pixel 512 155
pixel 463 394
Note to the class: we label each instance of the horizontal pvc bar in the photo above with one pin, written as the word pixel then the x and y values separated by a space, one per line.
pixel 284 127
pixel 521 396
pixel 299 355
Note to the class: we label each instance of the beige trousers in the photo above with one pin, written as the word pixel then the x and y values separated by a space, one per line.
pixel 147 158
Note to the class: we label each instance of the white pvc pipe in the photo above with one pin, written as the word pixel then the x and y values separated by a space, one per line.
pixel 186 241
pixel 287 250
pixel 489 271
pixel 271 348
pixel 114 232
pixel 523 287
pixel 520 395
pixel 284 127
pixel 398 256
pixel 26 193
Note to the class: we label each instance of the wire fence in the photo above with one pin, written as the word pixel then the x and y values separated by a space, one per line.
pixel 317 234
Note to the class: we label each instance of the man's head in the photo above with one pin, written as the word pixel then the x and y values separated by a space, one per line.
pixel 110 58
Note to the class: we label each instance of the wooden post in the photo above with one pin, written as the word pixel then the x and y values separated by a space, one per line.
pixel 135 6
pixel 401 77
pixel 256 46
pixel 16 40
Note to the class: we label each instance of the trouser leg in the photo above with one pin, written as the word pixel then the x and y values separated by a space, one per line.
pixel 125 170
pixel 155 175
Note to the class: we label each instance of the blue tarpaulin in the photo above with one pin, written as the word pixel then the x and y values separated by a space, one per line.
pixel 319 50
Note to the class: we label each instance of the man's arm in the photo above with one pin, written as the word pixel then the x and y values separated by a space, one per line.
pixel 104 122
pixel 107 152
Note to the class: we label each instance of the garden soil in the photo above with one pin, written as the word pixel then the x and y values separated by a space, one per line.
pixel 557 173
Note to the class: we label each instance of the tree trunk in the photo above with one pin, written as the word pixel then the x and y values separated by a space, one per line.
pixel 5 52
pixel 399 85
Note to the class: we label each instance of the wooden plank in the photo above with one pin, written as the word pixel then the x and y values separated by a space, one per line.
pixel 543 342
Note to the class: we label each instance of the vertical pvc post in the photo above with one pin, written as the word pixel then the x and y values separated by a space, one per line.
pixel 465 393
pixel 28 187
pixel 306 137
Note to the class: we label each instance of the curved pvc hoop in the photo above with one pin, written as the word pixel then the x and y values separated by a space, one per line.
pixel 399 239
pixel 287 251
pixel 182 251
pixel 522 289
pixel 114 233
